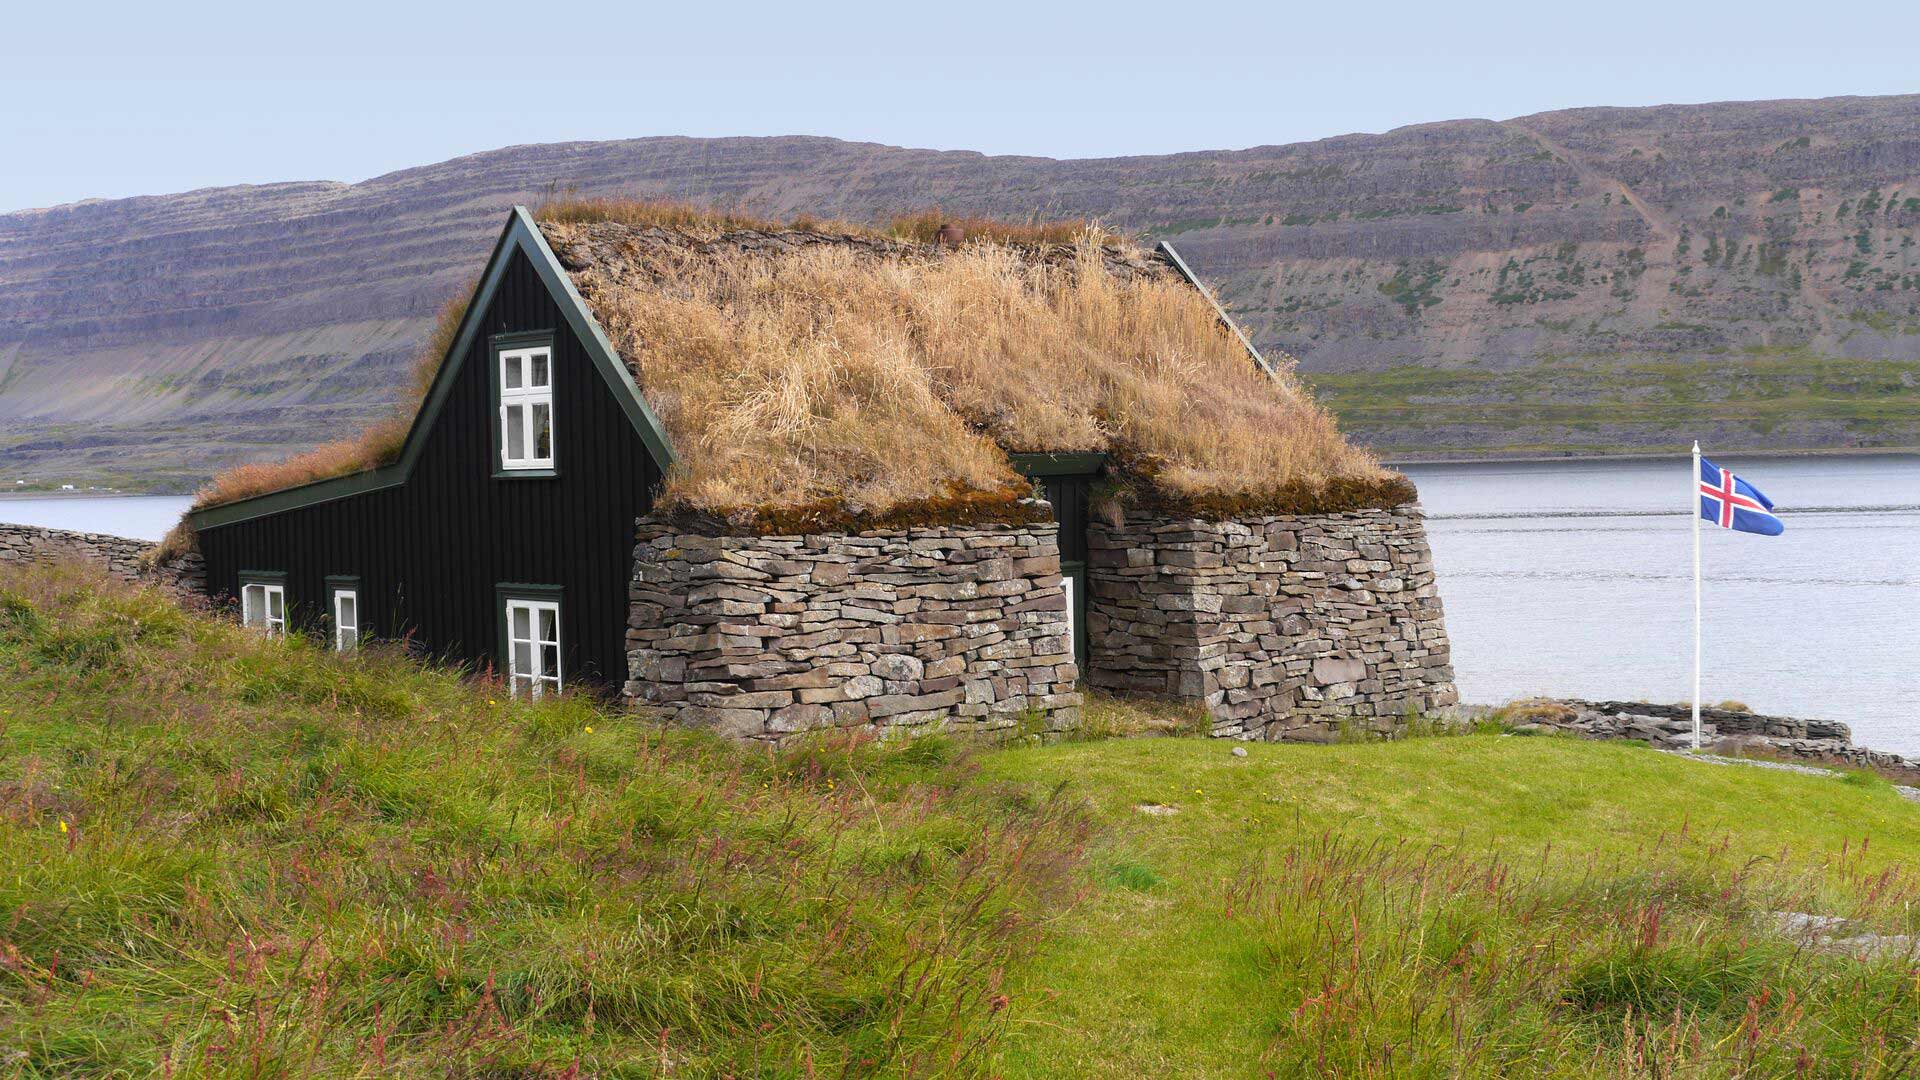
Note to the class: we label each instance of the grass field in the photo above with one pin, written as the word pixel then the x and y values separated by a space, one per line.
pixel 1476 905
pixel 227 856
pixel 223 856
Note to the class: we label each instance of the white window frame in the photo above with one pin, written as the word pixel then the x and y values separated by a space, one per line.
pixel 536 681
pixel 526 399
pixel 272 595
pixel 1073 616
pixel 346 635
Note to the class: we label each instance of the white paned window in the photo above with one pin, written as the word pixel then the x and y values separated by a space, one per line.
pixel 526 408
pixel 346 619
pixel 1073 612
pixel 533 646
pixel 264 607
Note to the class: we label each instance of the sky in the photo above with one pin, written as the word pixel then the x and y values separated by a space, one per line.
pixel 110 100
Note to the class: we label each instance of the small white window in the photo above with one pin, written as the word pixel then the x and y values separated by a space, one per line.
pixel 346 619
pixel 526 408
pixel 1073 614
pixel 264 607
pixel 533 646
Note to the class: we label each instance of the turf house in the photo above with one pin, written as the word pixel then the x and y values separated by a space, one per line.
pixel 779 478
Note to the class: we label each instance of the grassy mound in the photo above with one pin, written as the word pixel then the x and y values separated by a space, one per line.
pixel 827 371
pixel 222 855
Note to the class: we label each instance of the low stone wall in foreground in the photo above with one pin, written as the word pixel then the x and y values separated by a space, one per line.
pixel 120 556
pixel 768 637
pixel 1284 627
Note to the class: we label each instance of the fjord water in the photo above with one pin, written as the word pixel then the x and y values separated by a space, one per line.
pixel 1575 578
pixel 143 517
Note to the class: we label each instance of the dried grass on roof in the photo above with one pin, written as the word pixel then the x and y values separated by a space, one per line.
pixel 920 226
pixel 830 376
pixel 653 213
pixel 823 373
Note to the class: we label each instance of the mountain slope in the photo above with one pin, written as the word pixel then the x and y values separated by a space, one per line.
pixel 1590 279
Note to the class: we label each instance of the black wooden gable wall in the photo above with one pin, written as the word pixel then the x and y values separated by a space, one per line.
pixel 429 554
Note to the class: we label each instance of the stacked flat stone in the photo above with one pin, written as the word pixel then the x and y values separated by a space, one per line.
pixel 1670 727
pixel 120 556
pixel 1724 721
pixel 1284 627
pixel 770 637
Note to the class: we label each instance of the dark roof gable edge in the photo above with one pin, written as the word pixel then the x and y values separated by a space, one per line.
pixel 1193 279
pixel 519 234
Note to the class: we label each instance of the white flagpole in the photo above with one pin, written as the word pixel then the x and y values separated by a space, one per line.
pixel 1693 508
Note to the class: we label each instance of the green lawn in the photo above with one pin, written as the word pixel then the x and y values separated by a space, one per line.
pixel 226 856
pixel 1219 940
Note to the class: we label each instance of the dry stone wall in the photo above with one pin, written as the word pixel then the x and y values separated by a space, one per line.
pixel 1285 627
pixel 768 637
pixel 120 556
pixel 1724 731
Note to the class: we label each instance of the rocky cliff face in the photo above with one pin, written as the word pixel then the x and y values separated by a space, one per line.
pixel 1591 279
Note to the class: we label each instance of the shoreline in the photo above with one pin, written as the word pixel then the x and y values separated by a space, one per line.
pixel 23 495
pixel 1653 455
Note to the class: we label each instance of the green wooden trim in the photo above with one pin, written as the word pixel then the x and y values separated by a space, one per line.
pixel 1065 463
pixel 262 577
pixel 520 339
pixel 1193 279
pixel 496 345
pixel 521 234
pixel 594 339
pixel 320 491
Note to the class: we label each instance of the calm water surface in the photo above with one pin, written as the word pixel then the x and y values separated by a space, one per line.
pixel 1575 579
pixel 144 517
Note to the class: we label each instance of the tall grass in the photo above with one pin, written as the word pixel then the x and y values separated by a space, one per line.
pixel 1385 958
pixel 1473 905
pixel 835 374
pixel 222 855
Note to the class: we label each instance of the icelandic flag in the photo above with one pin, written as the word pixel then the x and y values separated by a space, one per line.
pixel 1732 503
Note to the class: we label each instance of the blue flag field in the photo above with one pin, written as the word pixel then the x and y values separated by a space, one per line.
pixel 1732 503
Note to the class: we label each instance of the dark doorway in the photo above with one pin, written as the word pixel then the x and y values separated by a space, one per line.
pixel 1066 481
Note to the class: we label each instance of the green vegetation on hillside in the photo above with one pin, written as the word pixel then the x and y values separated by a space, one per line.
pixel 224 856
pixel 1762 399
